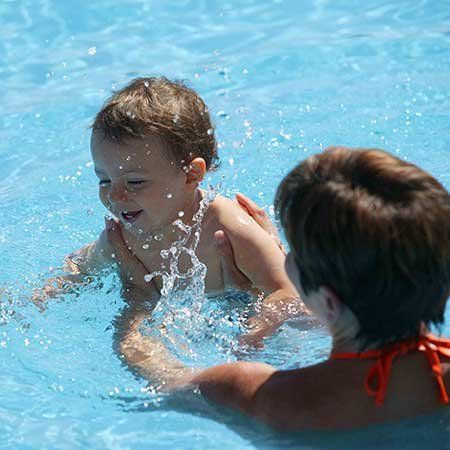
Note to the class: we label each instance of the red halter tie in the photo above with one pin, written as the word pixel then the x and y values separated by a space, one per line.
pixel 378 376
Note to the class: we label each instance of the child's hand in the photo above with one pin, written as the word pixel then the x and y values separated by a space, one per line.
pixel 131 270
pixel 260 217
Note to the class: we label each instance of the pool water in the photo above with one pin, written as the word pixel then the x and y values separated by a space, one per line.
pixel 283 79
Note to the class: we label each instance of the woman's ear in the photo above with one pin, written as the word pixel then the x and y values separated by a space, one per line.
pixel 196 171
pixel 333 305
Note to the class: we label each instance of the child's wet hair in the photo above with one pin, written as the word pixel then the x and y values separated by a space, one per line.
pixel 376 230
pixel 164 108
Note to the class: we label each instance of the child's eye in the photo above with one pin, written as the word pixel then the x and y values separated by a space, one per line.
pixel 104 183
pixel 136 182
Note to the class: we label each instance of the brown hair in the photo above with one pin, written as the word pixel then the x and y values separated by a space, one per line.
pixel 376 230
pixel 165 108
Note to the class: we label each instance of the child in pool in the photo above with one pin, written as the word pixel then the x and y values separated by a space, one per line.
pixel 370 255
pixel 152 143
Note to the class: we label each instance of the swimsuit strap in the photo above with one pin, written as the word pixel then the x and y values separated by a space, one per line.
pixel 378 376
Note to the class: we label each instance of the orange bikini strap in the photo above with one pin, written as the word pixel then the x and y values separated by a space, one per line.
pixel 433 348
pixel 378 376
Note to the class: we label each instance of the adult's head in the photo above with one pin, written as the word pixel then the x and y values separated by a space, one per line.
pixel 374 230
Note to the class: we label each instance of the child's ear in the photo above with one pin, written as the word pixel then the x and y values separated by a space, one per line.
pixel 196 171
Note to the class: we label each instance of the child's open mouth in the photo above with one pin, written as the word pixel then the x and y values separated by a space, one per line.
pixel 130 216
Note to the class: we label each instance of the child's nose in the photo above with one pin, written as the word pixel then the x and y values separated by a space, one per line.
pixel 117 193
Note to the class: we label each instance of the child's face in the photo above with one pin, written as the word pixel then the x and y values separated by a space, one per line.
pixel 139 183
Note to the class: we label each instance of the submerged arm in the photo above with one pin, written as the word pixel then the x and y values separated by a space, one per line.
pixel 246 247
pixel 80 267
pixel 237 385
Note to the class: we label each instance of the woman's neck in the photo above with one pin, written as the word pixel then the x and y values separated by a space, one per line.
pixel 345 337
pixel 344 333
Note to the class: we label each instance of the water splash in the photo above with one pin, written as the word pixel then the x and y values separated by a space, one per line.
pixel 182 318
pixel 194 278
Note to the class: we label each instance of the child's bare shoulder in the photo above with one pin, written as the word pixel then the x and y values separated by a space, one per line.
pixel 228 214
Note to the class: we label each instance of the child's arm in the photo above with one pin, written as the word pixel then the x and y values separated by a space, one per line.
pixel 92 258
pixel 79 268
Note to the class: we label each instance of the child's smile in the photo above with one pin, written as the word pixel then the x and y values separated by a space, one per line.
pixel 131 216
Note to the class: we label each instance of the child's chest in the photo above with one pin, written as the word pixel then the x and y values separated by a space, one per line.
pixel 160 260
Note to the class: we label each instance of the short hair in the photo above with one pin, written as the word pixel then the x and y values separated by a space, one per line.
pixel 376 230
pixel 168 109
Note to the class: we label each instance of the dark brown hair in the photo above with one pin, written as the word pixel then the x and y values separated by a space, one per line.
pixel 376 230
pixel 165 108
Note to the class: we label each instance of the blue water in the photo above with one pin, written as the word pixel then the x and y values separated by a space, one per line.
pixel 283 79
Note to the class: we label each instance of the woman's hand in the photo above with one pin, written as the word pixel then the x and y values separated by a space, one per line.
pixel 260 217
pixel 271 313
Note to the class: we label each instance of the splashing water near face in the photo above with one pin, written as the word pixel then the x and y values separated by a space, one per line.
pixel 182 316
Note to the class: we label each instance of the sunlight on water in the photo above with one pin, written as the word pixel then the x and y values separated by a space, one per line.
pixel 282 79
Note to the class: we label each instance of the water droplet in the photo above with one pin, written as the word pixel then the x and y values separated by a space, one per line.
pixel 176 118
pixel 145 246
pixel 180 213
pixel 210 132
pixel 128 158
pixel 146 84
pixel 169 195
pixel 90 212
pixel 92 51
pixel 120 167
